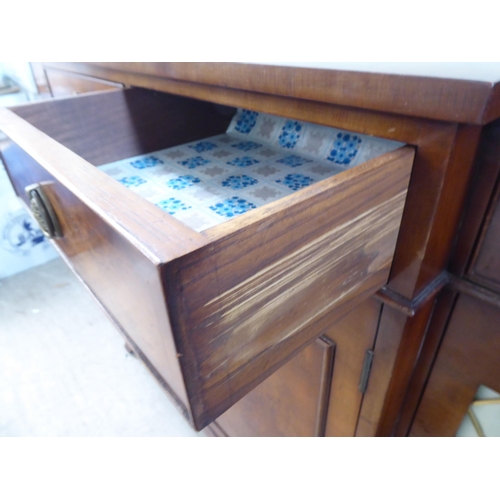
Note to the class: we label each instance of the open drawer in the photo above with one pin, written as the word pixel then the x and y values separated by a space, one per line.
pixel 212 313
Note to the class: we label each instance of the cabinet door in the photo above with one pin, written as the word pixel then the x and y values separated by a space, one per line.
pixel 314 394
pixel 468 359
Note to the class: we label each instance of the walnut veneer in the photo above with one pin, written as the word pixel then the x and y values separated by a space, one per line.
pixel 218 339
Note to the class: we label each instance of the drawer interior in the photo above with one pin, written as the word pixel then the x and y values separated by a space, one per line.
pixel 260 159
pixel 109 126
pixel 201 163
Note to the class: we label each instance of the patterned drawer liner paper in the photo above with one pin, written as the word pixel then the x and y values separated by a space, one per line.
pixel 260 159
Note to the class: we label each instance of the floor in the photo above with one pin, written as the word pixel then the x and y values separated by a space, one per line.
pixel 64 370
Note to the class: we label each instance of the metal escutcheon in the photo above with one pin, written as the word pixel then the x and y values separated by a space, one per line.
pixel 43 212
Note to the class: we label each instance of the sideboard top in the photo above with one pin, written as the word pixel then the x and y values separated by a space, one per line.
pixel 471 71
pixel 456 92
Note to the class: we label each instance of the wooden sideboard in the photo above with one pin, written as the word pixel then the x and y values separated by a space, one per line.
pixel 369 364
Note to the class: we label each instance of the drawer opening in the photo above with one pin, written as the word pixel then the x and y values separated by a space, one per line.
pixel 259 159
pixel 201 163
pixel 103 127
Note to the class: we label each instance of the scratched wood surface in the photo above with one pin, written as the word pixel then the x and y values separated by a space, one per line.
pixel 245 304
pixel 243 297
pixel 383 105
pixel 316 393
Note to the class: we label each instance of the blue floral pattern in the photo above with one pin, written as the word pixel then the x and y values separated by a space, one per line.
pixel 244 161
pixel 246 121
pixel 194 162
pixel 239 181
pixel 293 161
pixel 247 145
pixel 132 181
pixel 296 181
pixel 202 146
pixel 290 134
pixel 344 149
pixel 261 158
pixel 172 205
pixel 20 234
pixel 182 182
pixel 232 206
pixel 147 162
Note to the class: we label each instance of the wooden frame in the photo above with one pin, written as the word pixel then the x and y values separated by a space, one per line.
pixel 440 117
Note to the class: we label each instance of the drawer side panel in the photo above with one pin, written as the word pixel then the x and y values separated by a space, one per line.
pixel 245 304
pixel 112 125
pixel 64 83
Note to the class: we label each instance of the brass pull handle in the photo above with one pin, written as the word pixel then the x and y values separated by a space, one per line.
pixel 43 212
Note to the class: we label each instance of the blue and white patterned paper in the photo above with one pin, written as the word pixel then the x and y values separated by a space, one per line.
pixel 260 159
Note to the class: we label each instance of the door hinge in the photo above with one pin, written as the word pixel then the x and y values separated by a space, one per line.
pixel 365 372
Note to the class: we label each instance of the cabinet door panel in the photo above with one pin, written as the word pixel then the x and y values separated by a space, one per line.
pixel 468 358
pixel 353 336
pixel 303 398
pixel 292 402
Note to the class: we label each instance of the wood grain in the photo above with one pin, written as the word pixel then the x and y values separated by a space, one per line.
pixel 399 108
pixel 438 185
pixel 388 125
pixel 423 367
pixel 485 265
pixel 65 83
pixel 468 357
pixel 109 126
pixel 472 289
pixel 440 177
pixel 436 198
pixel 124 281
pixel 292 402
pixel 437 98
pixel 156 234
pixel 395 337
pixel 334 242
pixel 447 309
pixel 482 187
pixel 474 227
pixel 410 307
pixel 353 336
pixel 239 295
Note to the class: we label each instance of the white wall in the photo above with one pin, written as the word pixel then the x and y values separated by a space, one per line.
pixel 21 73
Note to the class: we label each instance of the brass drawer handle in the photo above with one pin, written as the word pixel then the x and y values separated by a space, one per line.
pixel 43 212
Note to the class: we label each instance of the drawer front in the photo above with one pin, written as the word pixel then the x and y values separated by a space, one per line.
pixel 125 282
pixel 64 83
pixel 212 314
